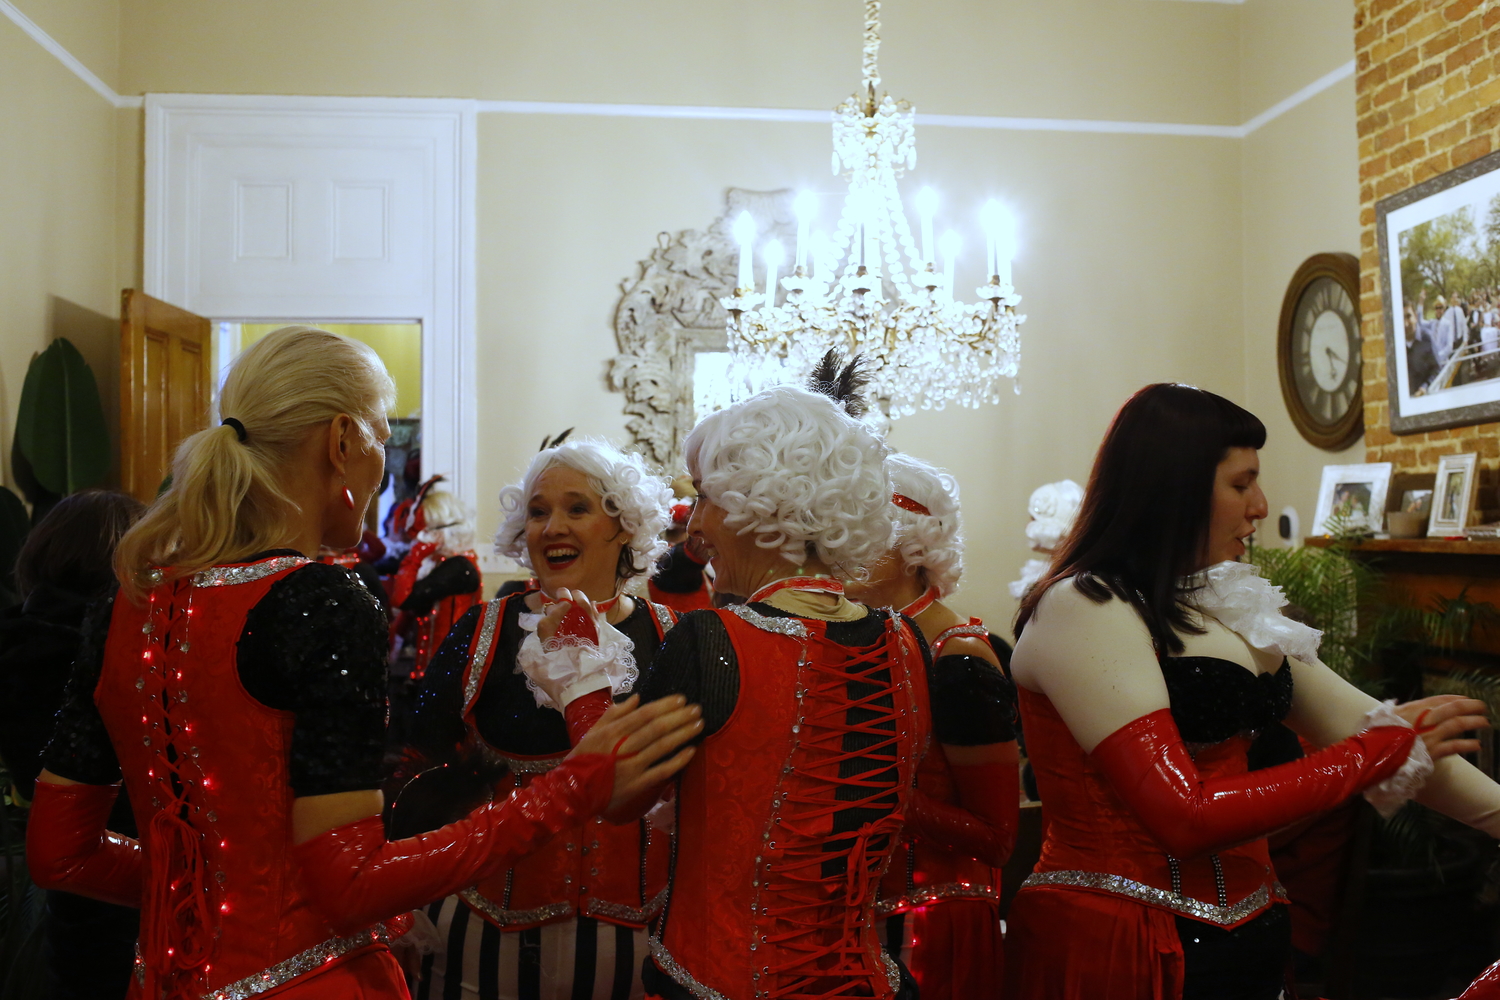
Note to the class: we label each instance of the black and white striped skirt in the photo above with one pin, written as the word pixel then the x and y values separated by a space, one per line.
pixel 577 959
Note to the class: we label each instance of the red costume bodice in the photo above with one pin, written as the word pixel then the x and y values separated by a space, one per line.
pixel 433 628
pixel 782 835
pixel 921 873
pixel 594 869
pixel 1095 843
pixel 206 766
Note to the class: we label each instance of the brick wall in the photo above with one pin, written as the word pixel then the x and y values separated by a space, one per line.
pixel 1428 89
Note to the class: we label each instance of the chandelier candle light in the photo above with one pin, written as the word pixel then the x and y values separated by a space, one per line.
pixel 854 293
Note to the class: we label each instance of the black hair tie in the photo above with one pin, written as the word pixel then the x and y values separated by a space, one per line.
pixel 239 428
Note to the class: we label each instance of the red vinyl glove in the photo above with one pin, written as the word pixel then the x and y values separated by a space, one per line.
pixel 582 712
pixel 68 847
pixel 1149 768
pixel 984 826
pixel 1486 987
pixel 356 877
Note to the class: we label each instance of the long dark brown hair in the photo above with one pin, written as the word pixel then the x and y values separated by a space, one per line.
pixel 1145 515
pixel 72 546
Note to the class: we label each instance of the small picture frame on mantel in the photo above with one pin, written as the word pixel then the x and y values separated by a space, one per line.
pixel 1352 498
pixel 1453 495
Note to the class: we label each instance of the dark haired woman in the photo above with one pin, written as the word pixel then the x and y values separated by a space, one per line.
pixel 1147 658
pixel 239 688
pixel 63 567
pixel 570 921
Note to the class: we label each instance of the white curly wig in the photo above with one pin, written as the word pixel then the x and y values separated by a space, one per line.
pixel 932 542
pixel 626 489
pixel 450 525
pixel 790 466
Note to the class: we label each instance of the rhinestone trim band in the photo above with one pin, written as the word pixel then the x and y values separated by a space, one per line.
pixel 627 914
pixel 524 765
pixel 892 972
pixel 229 576
pixel 683 977
pixel 1119 885
pixel 935 894
pixel 780 626
pixel 513 918
pixel 284 972
pixel 483 641
pixel 664 619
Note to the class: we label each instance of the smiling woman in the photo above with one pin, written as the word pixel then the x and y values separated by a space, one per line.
pixel 585 518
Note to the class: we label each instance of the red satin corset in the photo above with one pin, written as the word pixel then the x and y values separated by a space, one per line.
pixel 1094 842
pixel 433 628
pixel 770 896
pixel 206 768
pixel 593 869
pixel 922 874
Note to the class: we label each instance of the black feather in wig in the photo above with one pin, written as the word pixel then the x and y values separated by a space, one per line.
pixel 844 383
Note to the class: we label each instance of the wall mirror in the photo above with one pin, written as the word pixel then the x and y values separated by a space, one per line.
pixel 669 325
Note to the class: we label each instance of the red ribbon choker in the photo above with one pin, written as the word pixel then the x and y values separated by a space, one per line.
pixel 817 584
pixel 907 503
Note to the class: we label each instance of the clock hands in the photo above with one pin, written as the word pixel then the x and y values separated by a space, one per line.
pixel 1334 360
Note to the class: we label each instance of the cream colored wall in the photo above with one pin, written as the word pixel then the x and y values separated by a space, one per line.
pixel 1127 59
pixel 1148 257
pixel 57 207
pixel 1130 272
pixel 1301 197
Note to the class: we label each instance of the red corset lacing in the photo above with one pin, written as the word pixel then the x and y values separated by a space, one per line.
pixel 816 921
pixel 176 926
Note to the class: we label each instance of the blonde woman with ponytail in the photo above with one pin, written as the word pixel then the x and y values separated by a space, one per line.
pixel 238 687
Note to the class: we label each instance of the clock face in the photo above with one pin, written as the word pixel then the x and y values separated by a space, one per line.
pixel 1325 353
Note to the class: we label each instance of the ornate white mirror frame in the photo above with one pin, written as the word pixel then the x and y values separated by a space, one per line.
pixel 671 314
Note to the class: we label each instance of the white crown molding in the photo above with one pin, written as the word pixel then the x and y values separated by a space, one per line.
pixel 67 58
pixel 669 111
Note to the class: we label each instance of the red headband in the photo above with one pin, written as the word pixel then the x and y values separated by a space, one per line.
pixel 681 512
pixel 907 503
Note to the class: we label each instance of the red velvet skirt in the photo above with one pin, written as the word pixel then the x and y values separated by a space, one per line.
pixel 1070 944
pixel 956 949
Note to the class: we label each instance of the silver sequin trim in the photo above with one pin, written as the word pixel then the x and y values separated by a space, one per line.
pixel 628 914
pixel 664 619
pixel 482 643
pixel 683 977
pixel 511 918
pixel 781 626
pixel 1224 916
pixel 978 631
pixel 524 765
pixel 307 961
pixel 229 576
pixel 892 972
pixel 935 894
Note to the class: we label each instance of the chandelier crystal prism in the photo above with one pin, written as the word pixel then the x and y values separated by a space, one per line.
pixel 870 289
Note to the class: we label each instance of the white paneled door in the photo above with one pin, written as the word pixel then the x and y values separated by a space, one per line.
pixel 336 208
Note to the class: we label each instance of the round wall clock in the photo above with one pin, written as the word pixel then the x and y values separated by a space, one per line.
pixel 1318 351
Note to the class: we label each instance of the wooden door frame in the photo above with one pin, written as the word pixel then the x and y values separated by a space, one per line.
pixel 138 313
pixel 178 124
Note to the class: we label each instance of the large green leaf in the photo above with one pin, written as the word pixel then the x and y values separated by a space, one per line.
pixel 60 426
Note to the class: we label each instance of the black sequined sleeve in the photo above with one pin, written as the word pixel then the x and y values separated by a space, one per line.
pixel 697 660
pixel 316 645
pixel 973 703
pixel 437 726
pixel 80 749
pixel 451 577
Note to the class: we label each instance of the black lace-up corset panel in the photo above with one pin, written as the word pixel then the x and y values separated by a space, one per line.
pixel 1214 699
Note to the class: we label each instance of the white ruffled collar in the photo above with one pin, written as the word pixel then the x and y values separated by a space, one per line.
pixel 1237 596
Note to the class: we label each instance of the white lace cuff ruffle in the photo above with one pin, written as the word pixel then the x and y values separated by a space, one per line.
pixel 1394 792
pixel 1244 601
pixel 569 667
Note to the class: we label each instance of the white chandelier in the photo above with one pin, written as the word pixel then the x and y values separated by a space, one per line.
pixel 854 293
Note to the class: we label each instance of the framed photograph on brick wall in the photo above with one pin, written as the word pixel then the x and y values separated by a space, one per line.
pixel 1439 246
